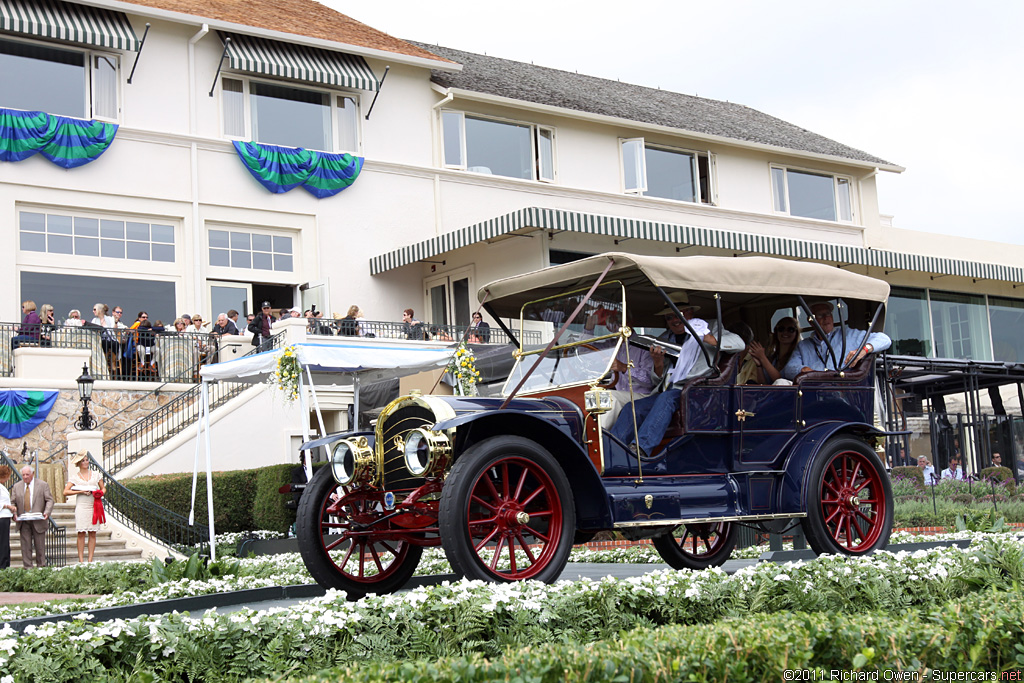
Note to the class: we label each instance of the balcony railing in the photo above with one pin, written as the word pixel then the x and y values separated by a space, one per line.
pixel 422 332
pixel 135 355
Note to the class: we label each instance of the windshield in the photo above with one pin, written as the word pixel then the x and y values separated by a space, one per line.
pixel 573 364
pixel 585 350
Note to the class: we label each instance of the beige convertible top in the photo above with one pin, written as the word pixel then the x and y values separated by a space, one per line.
pixel 747 279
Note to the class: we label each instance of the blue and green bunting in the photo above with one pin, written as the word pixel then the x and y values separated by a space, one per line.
pixel 65 141
pixel 23 411
pixel 280 169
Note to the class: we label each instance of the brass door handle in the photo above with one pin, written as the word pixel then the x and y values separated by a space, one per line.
pixel 742 415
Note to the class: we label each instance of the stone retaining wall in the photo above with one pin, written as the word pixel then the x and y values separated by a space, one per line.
pixel 50 436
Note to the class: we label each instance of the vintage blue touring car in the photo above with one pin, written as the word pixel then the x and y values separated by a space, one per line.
pixel 507 484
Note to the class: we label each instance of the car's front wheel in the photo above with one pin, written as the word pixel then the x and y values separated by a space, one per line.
pixel 506 512
pixel 849 505
pixel 337 554
pixel 697 546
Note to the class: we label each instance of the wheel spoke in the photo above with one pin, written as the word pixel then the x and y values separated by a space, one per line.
pixel 494 492
pixel 836 511
pixel 376 557
pixel 829 484
pixel 861 485
pixel 526 548
pixel 511 556
pixel 481 544
pixel 481 501
pixel 520 484
pixel 497 553
pixel 533 495
pixel 504 480
pixel 389 548
pixel 334 545
pixel 865 517
pixel 479 522
pixel 344 560
pixel 856 471
pixel 536 534
pixel 362 557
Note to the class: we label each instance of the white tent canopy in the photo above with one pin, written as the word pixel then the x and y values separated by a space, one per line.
pixel 373 361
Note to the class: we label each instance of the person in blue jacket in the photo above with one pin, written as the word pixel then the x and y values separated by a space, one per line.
pixel 812 353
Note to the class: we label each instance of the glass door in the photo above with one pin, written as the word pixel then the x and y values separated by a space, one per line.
pixel 225 296
pixel 315 293
pixel 449 298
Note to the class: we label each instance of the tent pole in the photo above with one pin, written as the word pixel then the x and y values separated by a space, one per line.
pixel 195 461
pixel 209 471
pixel 304 408
pixel 319 415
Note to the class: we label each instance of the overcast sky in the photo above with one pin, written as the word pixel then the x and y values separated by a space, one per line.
pixel 933 86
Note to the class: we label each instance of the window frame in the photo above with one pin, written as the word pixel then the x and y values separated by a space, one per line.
pixel 90 56
pixel 536 131
pixel 643 186
pixel 265 275
pixel 333 94
pixel 837 180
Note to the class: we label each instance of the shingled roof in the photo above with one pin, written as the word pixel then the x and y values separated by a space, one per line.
pixel 543 85
pixel 299 17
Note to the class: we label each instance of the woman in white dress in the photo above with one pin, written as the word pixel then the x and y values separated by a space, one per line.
pixel 82 482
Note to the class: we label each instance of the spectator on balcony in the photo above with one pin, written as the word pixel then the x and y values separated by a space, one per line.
pixel 412 328
pixel 224 326
pixel 180 325
pixel 233 317
pixel 74 318
pixel 479 331
pixel 47 324
pixel 349 325
pixel 100 317
pixel 187 318
pixel 28 333
pixel 261 324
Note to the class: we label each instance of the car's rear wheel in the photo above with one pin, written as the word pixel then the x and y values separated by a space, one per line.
pixel 697 546
pixel 506 512
pixel 850 505
pixel 336 555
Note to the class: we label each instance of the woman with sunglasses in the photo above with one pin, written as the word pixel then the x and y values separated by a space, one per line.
pixel 770 361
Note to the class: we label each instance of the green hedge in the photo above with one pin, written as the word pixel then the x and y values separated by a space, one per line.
pixel 268 506
pixel 243 500
pixel 921 511
pixel 914 473
pixel 981 632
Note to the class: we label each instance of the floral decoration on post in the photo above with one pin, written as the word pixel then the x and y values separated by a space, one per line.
pixel 463 369
pixel 286 374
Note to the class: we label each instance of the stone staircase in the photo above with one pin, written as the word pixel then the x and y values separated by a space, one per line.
pixel 107 548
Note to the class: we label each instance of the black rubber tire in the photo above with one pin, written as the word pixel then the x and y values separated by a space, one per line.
pixel 308 528
pixel 845 467
pixel 718 548
pixel 528 466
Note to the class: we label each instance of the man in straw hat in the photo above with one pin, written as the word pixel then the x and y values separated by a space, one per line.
pixel 654 413
pixel 813 353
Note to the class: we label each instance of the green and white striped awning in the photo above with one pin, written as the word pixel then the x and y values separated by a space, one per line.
pixel 299 62
pixel 68 22
pixel 684 235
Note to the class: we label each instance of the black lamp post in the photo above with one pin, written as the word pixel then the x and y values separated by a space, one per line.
pixel 86 421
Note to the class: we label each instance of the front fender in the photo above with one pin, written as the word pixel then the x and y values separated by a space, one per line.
pixel 792 494
pixel 591 501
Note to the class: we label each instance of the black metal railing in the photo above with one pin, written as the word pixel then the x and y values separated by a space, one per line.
pixel 171 418
pixel 120 354
pixel 422 332
pixel 56 536
pixel 147 518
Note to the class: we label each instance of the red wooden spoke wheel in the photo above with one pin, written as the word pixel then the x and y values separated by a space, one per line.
pixel 507 512
pixel 850 505
pixel 337 554
pixel 697 546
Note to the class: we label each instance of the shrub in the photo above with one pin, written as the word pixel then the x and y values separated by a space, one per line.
pixel 233 493
pixel 268 506
pixel 1001 475
pixel 907 474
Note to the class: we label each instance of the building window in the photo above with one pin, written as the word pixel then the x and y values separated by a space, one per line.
pixel 812 195
pixel 253 250
pixel 78 83
pixel 1007 321
pixel 907 323
pixel 652 171
pixel 65 292
pixel 76 235
pixel 282 114
pixel 505 148
pixel 960 326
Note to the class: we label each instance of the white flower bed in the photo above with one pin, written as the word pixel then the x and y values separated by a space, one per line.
pixel 884 581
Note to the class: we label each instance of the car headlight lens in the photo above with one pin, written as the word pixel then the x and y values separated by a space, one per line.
pixel 352 462
pixel 426 452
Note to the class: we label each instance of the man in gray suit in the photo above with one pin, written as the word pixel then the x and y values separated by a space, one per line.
pixel 32 495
